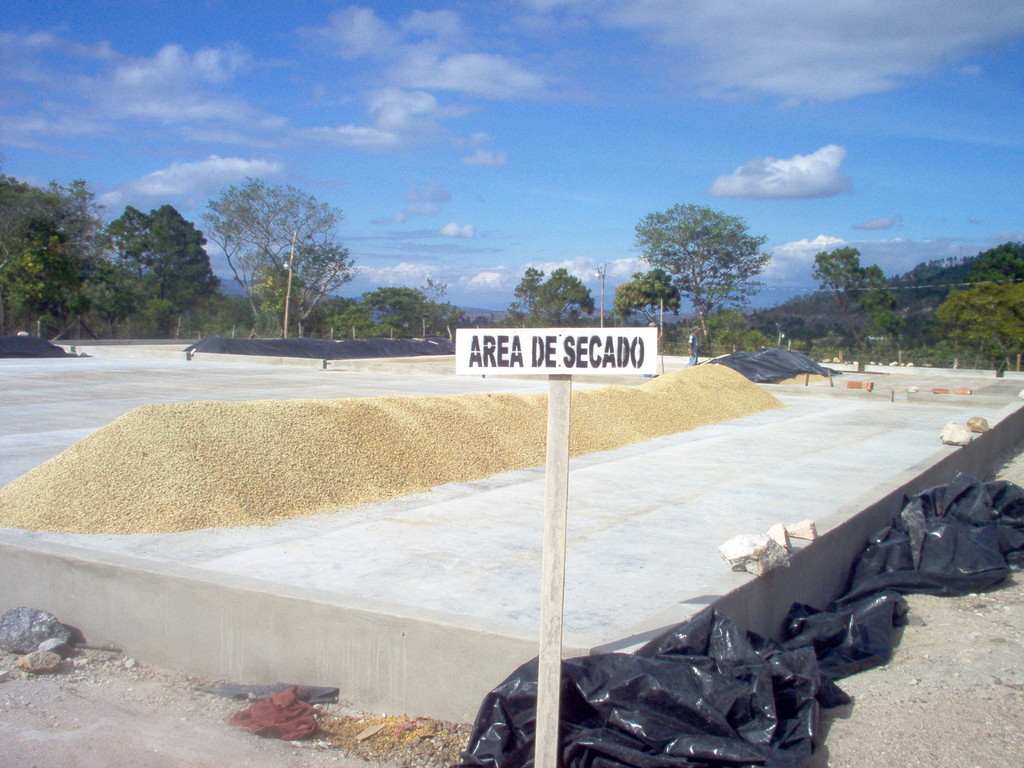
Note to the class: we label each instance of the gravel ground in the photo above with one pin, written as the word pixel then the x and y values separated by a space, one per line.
pixel 952 697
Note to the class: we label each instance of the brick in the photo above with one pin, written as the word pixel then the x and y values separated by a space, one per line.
pixel 855 385
pixel 940 391
pixel 963 392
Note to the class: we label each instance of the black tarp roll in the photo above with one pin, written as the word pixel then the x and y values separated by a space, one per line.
pixel 323 349
pixel 29 346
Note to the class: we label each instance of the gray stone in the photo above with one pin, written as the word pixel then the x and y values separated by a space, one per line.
pixel 56 645
pixel 23 629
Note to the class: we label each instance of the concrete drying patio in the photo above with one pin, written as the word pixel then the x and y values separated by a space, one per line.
pixel 421 605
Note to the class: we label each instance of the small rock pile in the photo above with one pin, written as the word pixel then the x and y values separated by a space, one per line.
pixel 38 638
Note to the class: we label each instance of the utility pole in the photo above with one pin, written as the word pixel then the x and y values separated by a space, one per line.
pixel 288 290
pixel 600 273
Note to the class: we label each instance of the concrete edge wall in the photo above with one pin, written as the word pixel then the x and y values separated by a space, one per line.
pixel 239 629
pixel 819 571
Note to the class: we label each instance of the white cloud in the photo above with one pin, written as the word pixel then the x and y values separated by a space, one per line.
pixel 176 86
pixel 887 222
pixel 404 273
pixel 792 262
pixel 356 32
pixel 451 229
pixel 487 280
pixel 427 51
pixel 807 49
pixel 202 176
pixel 398 118
pixel 801 176
pixel 485 158
pixel 478 74
pixel 424 200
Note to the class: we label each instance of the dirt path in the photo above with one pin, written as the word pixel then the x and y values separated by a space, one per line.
pixel 953 694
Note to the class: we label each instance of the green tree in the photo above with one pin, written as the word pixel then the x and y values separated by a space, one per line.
pixel 988 317
pixel 711 256
pixel 56 223
pixel 523 308
pixel 558 301
pixel 1002 264
pixel 44 278
pixel 647 294
pixel 165 254
pixel 410 312
pixel 858 291
pixel 734 332
pixel 267 231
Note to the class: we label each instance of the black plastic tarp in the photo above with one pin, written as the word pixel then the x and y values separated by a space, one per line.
pixel 29 346
pixel 771 365
pixel 704 694
pixel 322 349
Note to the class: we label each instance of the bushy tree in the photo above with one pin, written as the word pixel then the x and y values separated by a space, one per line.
pixel 710 255
pixel 165 255
pixel 989 316
pixel 647 294
pixel 48 251
pixel 560 300
pixel 410 312
pixel 859 291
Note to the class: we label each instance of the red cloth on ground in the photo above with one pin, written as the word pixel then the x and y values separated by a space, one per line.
pixel 280 716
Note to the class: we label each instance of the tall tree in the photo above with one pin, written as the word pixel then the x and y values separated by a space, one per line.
pixel 647 294
pixel 560 300
pixel 57 225
pixel 711 256
pixel 524 306
pixel 266 231
pixel 165 253
pixel 857 289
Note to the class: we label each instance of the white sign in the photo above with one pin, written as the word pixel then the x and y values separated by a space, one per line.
pixel 549 351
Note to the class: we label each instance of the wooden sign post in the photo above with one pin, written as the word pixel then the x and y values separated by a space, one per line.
pixel 556 353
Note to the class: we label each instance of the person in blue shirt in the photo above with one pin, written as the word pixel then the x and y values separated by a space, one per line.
pixel 694 346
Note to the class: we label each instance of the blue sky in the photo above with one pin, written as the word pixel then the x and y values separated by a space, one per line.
pixel 467 141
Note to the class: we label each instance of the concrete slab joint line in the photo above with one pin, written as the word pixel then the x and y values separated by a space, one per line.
pixel 422 605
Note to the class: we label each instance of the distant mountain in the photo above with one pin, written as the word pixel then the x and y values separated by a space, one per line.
pixel 918 292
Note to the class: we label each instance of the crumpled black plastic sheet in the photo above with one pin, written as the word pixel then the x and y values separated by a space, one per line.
pixel 772 364
pixel 706 695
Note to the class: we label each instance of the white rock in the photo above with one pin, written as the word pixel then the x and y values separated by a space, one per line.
pixel 756 554
pixel 956 434
pixel 805 529
pixel 778 533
